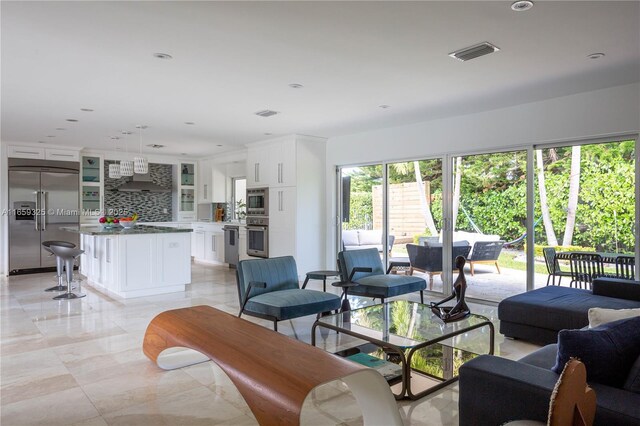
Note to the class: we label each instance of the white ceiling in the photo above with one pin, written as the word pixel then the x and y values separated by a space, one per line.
pixel 232 59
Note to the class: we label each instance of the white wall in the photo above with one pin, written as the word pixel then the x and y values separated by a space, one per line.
pixel 586 115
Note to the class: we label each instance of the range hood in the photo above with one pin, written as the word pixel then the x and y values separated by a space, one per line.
pixel 141 183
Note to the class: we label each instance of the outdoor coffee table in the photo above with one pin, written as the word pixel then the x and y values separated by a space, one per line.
pixel 409 331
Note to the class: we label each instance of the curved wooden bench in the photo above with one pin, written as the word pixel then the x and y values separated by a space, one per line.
pixel 273 373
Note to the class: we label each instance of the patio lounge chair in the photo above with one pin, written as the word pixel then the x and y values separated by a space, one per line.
pixel 428 259
pixel 485 252
pixel 269 289
pixel 553 266
pixel 365 268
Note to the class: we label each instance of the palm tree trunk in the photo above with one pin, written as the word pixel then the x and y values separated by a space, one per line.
pixel 544 206
pixel 424 205
pixel 456 191
pixel 574 191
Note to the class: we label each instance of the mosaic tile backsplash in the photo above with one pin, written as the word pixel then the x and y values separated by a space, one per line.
pixel 150 206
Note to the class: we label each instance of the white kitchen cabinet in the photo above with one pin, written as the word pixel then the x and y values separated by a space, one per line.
pixel 197 246
pixel 214 246
pixel 242 244
pixel 284 162
pixel 297 225
pixel 218 185
pixel 204 181
pixel 259 166
pixel 282 207
pixel 17 151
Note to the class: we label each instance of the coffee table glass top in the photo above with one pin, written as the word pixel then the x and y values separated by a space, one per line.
pixel 401 323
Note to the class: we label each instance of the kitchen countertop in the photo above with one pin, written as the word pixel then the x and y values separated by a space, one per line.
pixel 118 230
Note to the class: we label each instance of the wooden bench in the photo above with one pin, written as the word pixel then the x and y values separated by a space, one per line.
pixel 273 373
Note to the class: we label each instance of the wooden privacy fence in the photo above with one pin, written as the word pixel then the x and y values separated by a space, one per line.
pixel 405 214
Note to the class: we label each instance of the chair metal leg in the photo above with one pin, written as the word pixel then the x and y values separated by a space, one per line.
pixel 548 278
pixel 498 267
pixel 421 297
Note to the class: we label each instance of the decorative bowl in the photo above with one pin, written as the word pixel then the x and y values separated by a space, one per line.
pixel 128 224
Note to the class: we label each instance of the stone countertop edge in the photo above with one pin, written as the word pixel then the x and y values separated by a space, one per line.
pixel 118 230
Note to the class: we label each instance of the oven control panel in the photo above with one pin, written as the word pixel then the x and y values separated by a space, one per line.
pixel 257 221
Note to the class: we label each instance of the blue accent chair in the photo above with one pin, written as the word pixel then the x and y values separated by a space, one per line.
pixel 269 289
pixel 365 268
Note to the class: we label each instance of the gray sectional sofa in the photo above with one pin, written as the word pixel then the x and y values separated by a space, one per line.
pixel 495 390
pixel 538 315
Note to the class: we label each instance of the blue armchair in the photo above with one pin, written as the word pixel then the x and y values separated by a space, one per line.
pixel 269 289
pixel 365 268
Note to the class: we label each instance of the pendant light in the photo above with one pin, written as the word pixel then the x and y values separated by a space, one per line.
pixel 114 168
pixel 141 165
pixel 126 166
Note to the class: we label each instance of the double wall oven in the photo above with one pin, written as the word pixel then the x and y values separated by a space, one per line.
pixel 258 222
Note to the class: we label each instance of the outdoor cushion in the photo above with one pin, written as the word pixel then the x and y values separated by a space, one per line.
pixel 370 237
pixel 385 286
pixel 350 238
pixel 607 351
pixel 293 303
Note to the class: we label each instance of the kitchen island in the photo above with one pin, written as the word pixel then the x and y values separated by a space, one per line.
pixel 140 261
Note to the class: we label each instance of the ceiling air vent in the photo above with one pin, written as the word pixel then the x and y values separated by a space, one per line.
pixel 266 113
pixel 474 51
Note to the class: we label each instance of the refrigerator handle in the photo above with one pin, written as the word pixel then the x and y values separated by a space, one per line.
pixel 36 214
pixel 44 209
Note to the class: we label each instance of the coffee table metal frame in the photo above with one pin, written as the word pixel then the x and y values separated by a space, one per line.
pixel 405 357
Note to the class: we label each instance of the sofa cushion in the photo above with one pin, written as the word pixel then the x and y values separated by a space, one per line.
pixel 556 308
pixel 608 351
pixel 617 287
pixel 350 238
pixel 385 286
pixel 632 383
pixel 371 237
pixel 293 303
pixel 544 357
pixel 599 316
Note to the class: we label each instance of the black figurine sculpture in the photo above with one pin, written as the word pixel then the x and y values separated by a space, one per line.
pixel 460 310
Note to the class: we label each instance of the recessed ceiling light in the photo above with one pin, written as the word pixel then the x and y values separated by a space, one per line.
pixel 189 123
pixel 296 86
pixel 42 141
pixel 218 145
pixel 141 126
pixel 86 109
pixel 51 136
pixel 162 56
pixel 183 153
pixel 155 145
pixel 521 6
pixel 268 134
pixel 266 113
pixel 60 128
pixel 384 106
pixel 72 120
pixel 125 132
pixel 114 138
pixel 595 55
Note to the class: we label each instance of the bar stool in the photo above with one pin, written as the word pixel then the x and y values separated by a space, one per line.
pixel 59 263
pixel 68 256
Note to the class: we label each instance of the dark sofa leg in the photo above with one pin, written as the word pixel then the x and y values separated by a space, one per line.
pixel 421 297
pixel 275 325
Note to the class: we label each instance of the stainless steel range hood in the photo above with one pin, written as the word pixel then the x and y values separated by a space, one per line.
pixel 141 183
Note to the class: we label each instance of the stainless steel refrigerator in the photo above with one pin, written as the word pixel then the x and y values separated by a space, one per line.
pixel 43 197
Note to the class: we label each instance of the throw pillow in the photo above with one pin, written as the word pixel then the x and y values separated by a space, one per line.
pixel 598 316
pixel 607 351
pixel 632 383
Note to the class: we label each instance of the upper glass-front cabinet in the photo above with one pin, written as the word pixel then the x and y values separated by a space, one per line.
pixel 90 169
pixel 187 174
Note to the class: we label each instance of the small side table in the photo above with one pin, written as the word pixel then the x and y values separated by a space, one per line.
pixel 345 285
pixel 320 275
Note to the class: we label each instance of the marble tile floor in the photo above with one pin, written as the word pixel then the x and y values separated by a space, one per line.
pixel 80 362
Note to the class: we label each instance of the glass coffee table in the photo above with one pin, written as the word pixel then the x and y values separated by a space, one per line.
pixel 405 340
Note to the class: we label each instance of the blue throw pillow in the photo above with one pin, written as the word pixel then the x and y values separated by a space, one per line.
pixel 607 351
